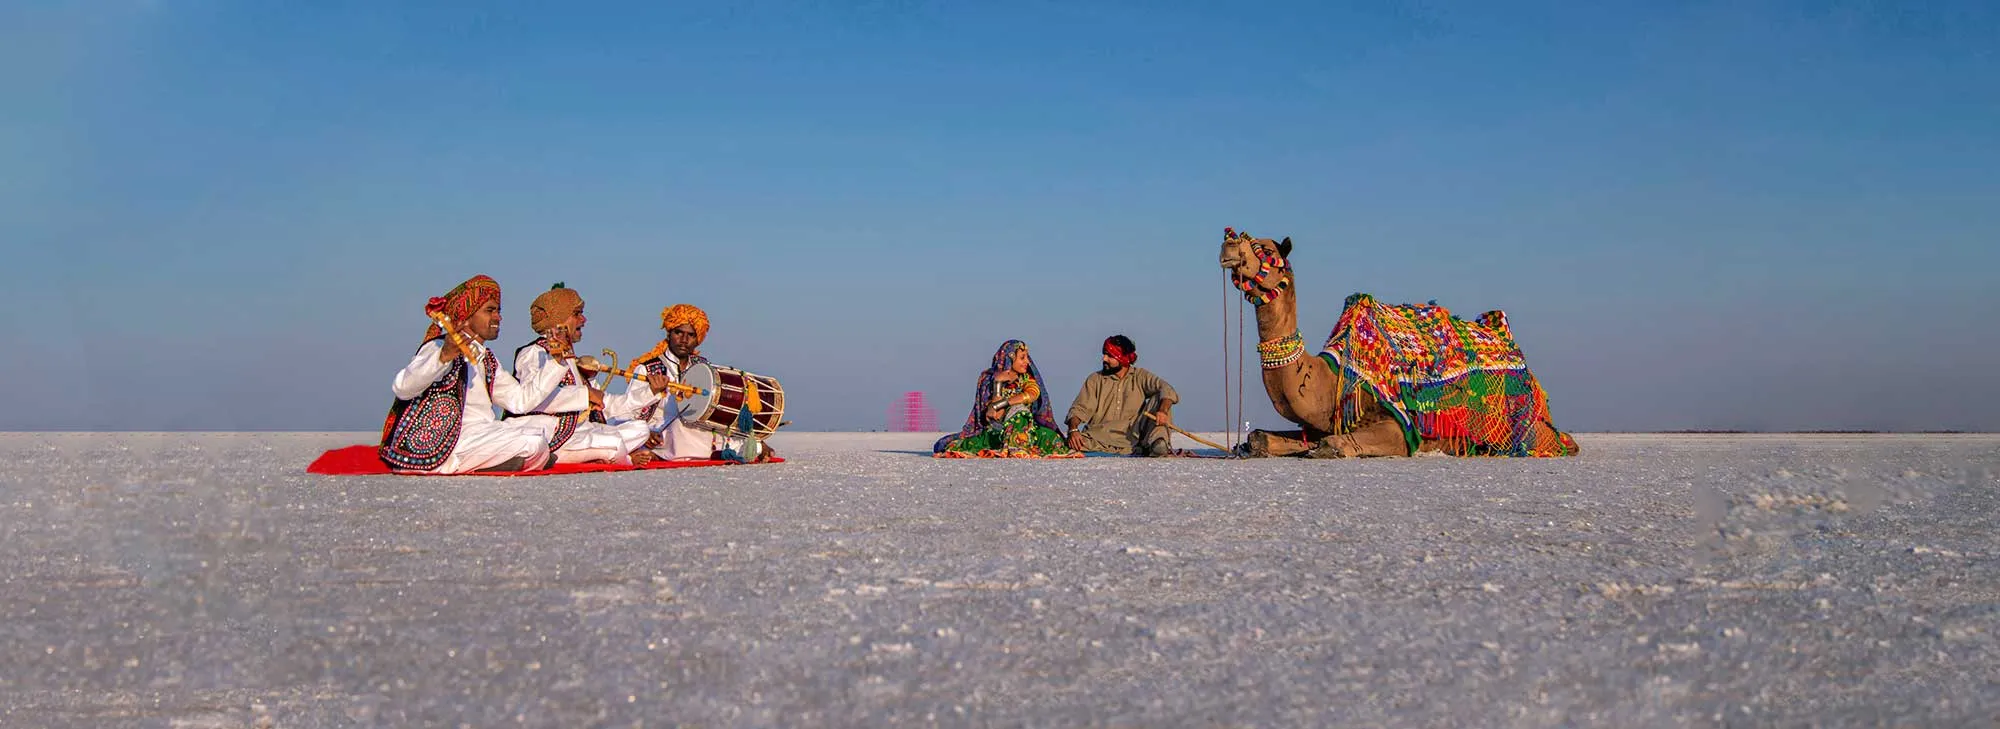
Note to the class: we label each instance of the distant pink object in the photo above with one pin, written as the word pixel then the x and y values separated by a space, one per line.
pixel 912 415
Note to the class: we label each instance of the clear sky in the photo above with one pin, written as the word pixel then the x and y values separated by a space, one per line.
pixel 226 214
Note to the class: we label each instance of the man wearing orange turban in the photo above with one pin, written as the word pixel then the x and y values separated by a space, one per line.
pixel 443 417
pixel 686 327
pixel 575 436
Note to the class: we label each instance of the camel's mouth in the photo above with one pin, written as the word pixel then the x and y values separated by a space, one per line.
pixel 1269 278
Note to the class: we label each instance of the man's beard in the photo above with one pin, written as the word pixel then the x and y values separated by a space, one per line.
pixel 1112 370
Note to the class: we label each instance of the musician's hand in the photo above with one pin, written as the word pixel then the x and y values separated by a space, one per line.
pixel 1164 418
pixel 654 440
pixel 1075 440
pixel 658 382
pixel 448 352
pixel 596 398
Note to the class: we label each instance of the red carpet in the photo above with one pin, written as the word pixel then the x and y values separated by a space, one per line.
pixel 360 460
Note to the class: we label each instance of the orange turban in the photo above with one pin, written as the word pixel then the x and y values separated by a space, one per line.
pixel 674 316
pixel 461 302
pixel 553 307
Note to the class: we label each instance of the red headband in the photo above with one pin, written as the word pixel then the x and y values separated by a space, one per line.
pixel 1112 350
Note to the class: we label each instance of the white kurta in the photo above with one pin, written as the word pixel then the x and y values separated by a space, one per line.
pixel 678 440
pixel 484 440
pixel 591 441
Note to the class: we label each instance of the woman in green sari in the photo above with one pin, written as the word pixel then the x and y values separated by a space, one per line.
pixel 1011 417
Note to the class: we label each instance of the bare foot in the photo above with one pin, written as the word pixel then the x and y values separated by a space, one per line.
pixel 510 465
pixel 642 457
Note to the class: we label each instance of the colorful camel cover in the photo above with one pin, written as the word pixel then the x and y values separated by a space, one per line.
pixel 1444 378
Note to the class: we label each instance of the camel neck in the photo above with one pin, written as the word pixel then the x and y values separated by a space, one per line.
pixel 1279 318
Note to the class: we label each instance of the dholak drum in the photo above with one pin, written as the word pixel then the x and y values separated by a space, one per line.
pixel 724 397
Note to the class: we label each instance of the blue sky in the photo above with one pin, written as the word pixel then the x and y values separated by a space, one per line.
pixel 227 214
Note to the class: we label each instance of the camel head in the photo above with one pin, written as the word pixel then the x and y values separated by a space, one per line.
pixel 1259 266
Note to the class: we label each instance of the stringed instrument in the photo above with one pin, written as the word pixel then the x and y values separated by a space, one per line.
pixel 559 347
pixel 596 367
pixel 558 343
pixel 452 334
pixel 631 375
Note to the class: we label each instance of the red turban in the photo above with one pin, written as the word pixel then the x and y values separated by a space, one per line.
pixel 462 302
pixel 1120 349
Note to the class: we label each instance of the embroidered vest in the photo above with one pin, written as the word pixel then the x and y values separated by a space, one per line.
pixel 565 422
pixel 421 432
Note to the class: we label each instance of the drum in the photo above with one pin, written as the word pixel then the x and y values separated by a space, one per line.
pixel 723 398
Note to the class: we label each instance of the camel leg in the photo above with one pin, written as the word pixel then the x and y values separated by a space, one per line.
pixel 1268 443
pixel 1381 438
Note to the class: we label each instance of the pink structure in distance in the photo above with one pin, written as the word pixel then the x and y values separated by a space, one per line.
pixel 912 415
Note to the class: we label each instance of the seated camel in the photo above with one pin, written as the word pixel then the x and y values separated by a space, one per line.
pixel 1392 380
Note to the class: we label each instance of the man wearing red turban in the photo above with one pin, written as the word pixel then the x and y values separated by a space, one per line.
pixel 1114 411
pixel 443 420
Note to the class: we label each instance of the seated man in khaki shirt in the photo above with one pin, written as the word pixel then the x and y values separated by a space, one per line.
pixel 1109 414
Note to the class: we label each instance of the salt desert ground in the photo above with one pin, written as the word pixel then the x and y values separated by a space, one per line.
pixel 205 580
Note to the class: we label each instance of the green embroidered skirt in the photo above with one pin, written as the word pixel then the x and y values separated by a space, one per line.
pixel 1016 437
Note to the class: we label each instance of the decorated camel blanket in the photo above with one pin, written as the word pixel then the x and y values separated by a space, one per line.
pixel 1464 383
pixel 362 460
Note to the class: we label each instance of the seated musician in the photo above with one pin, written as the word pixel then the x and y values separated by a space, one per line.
pixel 576 435
pixel 1115 410
pixel 442 421
pixel 650 401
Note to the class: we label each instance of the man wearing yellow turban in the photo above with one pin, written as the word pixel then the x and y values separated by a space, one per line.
pixel 686 327
pixel 575 436
pixel 442 420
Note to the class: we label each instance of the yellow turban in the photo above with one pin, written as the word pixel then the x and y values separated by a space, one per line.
pixel 674 316
pixel 553 307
